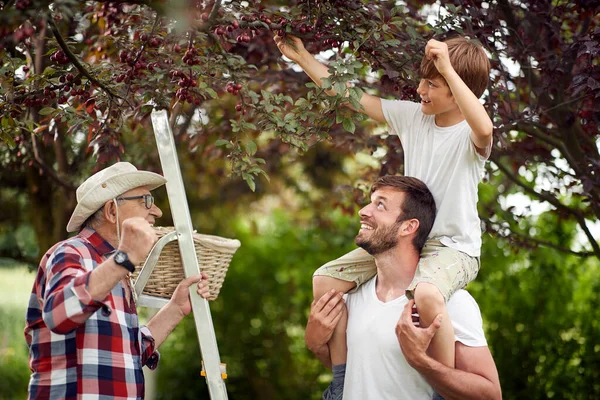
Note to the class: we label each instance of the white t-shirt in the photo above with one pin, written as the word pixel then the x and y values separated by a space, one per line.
pixel 447 161
pixel 376 367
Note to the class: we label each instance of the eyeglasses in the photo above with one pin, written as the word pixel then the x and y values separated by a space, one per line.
pixel 148 199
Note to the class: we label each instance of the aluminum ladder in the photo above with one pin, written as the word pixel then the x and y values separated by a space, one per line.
pixel 213 370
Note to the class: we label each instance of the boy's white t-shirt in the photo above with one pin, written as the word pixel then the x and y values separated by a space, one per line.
pixel 376 367
pixel 446 160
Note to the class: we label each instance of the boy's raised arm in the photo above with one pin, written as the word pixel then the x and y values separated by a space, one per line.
pixel 317 71
pixel 469 104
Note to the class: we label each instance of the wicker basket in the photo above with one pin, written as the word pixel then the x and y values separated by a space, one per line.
pixel 214 255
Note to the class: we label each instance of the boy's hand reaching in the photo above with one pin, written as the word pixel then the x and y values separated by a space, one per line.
pixel 438 52
pixel 292 50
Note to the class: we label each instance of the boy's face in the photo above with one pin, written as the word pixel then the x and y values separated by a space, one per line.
pixel 436 97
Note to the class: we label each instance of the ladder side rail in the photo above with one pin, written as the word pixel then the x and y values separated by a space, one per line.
pixel 183 226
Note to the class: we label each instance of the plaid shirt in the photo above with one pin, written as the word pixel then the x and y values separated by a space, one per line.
pixel 80 347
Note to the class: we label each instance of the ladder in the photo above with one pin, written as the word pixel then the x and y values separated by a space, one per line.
pixel 212 368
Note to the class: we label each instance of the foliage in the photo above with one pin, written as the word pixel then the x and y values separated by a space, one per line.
pixel 79 80
pixel 541 312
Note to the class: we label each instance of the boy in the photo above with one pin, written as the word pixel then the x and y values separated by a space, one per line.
pixel 446 139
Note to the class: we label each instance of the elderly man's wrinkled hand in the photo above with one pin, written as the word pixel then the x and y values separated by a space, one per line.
pixel 181 296
pixel 137 239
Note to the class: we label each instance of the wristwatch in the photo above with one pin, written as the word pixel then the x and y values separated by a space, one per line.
pixel 122 260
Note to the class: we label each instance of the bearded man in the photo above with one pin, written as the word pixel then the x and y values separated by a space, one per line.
pixel 370 340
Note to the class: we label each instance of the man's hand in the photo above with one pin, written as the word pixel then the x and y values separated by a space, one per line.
pixel 438 52
pixel 414 340
pixel 292 51
pixel 325 314
pixel 137 239
pixel 181 296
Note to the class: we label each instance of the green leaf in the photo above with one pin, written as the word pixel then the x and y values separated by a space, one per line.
pixel 211 93
pixel 398 22
pixel 251 148
pixel 221 142
pixel 340 88
pixel 355 103
pixel 412 32
pixel 250 181
pixel 301 102
pixel 46 111
pixel 348 125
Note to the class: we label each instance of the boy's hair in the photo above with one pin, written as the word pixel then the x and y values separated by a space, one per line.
pixel 418 203
pixel 468 60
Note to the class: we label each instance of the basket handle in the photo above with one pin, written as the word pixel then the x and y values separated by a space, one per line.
pixel 150 263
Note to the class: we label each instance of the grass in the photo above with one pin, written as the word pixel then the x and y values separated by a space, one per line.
pixel 15 286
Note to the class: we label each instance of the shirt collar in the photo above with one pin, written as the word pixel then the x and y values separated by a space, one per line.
pixel 102 246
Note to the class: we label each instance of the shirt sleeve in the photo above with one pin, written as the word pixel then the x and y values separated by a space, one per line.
pixel 466 319
pixel 150 356
pixel 399 114
pixel 67 302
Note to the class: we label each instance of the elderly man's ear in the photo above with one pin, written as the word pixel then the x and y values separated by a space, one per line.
pixel 110 212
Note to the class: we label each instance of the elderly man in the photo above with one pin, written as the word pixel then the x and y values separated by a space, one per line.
pixel 375 350
pixel 82 328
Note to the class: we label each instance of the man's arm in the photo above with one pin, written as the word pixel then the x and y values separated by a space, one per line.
pixel 317 71
pixel 469 104
pixel 325 314
pixel 73 294
pixel 163 323
pixel 475 375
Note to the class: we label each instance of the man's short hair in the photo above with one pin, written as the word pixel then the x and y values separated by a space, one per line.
pixel 418 203
pixel 468 60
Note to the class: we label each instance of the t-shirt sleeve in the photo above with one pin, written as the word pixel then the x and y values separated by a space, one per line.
pixel 466 319
pixel 399 114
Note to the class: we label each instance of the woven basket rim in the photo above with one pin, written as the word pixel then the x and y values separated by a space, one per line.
pixel 214 241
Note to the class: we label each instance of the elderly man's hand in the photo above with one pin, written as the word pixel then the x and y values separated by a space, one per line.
pixel 325 314
pixel 415 340
pixel 181 296
pixel 137 239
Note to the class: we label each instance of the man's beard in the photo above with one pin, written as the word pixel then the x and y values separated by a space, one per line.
pixel 380 241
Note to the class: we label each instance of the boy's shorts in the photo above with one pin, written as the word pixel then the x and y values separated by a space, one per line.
pixel 444 267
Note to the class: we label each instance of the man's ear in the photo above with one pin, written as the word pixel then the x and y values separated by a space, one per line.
pixel 110 212
pixel 409 226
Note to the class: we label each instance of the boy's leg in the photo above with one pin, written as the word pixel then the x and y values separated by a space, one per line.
pixel 338 352
pixel 342 274
pixel 430 303
pixel 441 271
pixel 337 344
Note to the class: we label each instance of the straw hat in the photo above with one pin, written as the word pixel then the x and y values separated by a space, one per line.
pixel 106 185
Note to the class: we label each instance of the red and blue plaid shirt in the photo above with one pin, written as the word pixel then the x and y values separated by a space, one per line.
pixel 80 347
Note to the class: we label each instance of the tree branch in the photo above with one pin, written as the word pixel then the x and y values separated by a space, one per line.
pixel 63 45
pixel 546 196
pixel 536 241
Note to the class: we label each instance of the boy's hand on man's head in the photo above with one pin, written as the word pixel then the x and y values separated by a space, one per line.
pixel 438 52
pixel 292 50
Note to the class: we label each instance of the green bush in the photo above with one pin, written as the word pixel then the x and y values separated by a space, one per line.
pixel 15 285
